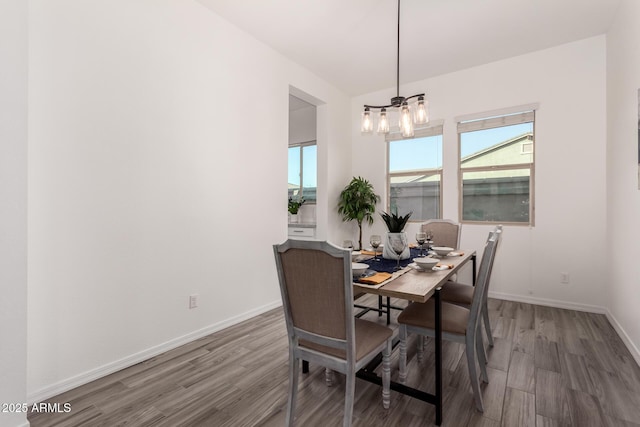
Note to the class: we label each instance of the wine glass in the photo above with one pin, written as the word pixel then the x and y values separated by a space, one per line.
pixel 429 240
pixel 420 239
pixel 375 241
pixel 398 244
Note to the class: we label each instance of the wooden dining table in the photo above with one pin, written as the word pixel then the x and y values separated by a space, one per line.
pixel 419 286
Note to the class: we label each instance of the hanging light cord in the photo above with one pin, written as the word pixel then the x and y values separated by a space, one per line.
pixel 397 100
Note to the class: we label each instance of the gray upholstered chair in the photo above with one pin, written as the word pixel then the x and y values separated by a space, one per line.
pixel 461 294
pixel 458 324
pixel 445 232
pixel 317 293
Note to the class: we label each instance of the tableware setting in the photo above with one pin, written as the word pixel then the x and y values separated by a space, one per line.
pixel 442 250
pixel 398 244
pixel 416 267
pixel 359 269
pixel 375 240
pixel 426 263
pixel 421 238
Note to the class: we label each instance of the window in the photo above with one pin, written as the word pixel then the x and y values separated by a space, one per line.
pixel 415 174
pixel 497 168
pixel 303 171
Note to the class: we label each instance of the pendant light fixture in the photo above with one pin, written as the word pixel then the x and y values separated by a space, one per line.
pixel 406 119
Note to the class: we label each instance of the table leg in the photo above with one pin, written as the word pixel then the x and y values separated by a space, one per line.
pixel 438 356
pixel 388 310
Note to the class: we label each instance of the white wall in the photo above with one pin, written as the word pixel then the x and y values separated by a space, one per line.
pixel 568 82
pixel 148 184
pixel 623 82
pixel 13 217
pixel 302 125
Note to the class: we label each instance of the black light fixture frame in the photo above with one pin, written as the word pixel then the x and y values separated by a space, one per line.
pixel 396 101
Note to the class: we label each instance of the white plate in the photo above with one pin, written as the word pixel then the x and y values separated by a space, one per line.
pixel 418 268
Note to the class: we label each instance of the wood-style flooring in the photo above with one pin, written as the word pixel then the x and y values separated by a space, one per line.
pixel 549 367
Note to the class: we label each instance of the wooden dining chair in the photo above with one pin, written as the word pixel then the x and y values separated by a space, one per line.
pixel 317 293
pixel 444 231
pixel 462 294
pixel 458 324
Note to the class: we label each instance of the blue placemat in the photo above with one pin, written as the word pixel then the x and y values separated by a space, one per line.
pixel 389 265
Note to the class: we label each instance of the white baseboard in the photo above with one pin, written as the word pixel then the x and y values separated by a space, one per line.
pixel 109 368
pixel 633 349
pixel 549 302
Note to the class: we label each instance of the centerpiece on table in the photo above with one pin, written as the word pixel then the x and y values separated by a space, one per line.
pixel 294 207
pixel 395 225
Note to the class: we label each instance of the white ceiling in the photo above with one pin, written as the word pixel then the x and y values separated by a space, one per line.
pixel 352 43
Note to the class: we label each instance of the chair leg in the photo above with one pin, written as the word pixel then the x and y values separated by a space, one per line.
pixel 349 397
pixel 487 326
pixel 328 377
pixel 386 375
pixel 293 389
pixel 482 356
pixel 473 375
pixel 420 348
pixel 403 354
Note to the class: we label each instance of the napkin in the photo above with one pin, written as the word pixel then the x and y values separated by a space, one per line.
pixel 372 253
pixel 456 253
pixel 441 266
pixel 376 279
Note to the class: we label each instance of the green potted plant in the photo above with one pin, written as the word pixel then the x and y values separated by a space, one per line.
pixel 358 203
pixel 396 237
pixel 294 207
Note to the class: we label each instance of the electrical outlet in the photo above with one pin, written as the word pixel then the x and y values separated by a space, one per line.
pixel 564 277
pixel 193 301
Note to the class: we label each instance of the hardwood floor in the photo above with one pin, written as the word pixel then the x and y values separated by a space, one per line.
pixel 549 367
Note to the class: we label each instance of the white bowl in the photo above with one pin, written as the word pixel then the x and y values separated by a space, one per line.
pixel 442 250
pixel 426 263
pixel 358 268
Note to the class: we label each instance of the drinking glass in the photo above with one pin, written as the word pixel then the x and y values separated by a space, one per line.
pixel 347 244
pixel 398 244
pixel 421 238
pixel 375 241
pixel 429 240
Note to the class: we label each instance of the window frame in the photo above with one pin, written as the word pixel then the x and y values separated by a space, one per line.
pixel 435 128
pixel 301 145
pixel 488 117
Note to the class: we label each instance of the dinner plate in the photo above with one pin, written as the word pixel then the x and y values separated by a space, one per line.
pixel 366 274
pixel 418 268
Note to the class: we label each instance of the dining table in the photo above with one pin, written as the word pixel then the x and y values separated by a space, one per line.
pixel 415 285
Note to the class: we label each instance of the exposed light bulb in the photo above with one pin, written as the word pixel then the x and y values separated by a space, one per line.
pixel 367 123
pixel 383 122
pixel 406 123
pixel 422 111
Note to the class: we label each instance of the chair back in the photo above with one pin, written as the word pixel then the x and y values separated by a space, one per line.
pixel 317 292
pixel 482 281
pixel 497 232
pixel 445 232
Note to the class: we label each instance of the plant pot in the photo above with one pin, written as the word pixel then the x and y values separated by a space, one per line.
pixel 387 251
pixel 293 218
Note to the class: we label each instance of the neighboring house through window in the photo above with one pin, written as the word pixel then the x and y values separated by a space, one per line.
pixel 497 167
pixel 415 173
